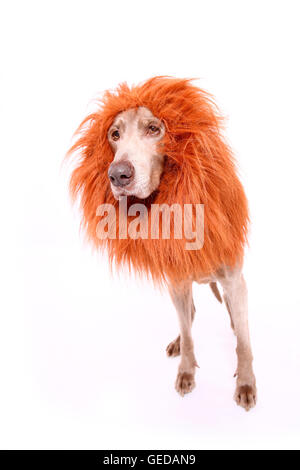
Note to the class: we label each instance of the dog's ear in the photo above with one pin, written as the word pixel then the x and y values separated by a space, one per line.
pixel 92 155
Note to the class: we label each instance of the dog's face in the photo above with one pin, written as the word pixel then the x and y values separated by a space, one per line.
pixel 138 159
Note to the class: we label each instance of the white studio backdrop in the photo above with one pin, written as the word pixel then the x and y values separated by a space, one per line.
pixel 82 353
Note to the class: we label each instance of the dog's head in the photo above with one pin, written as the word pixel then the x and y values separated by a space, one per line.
pixel 136 138
pixel 160 139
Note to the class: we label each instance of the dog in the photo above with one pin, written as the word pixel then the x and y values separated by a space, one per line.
pixel 161 143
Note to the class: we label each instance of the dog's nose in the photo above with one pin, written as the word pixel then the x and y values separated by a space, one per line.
pixel 121 173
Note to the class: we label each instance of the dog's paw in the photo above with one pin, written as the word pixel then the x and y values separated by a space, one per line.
pixel 173 349
pixel 245 396
pixel 185 383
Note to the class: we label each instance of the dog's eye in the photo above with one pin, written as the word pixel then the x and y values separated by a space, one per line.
pixel 153 130
pixel 115 135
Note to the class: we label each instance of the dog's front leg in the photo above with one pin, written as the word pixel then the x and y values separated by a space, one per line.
pixel 173 349
pixel 181 294
pixel 235 295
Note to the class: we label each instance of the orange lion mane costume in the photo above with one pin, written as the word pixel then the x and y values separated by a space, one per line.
pixel 199 169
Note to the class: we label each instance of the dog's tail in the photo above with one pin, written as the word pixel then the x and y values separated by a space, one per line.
pixel 214 288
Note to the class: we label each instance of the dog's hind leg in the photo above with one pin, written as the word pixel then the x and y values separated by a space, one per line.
pixel 173 349
pixel 235 294
pixel 181 295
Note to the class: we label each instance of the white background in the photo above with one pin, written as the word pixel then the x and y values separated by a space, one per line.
pixel 82 360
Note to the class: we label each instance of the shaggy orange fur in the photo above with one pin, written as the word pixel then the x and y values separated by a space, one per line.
pixel 199 168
